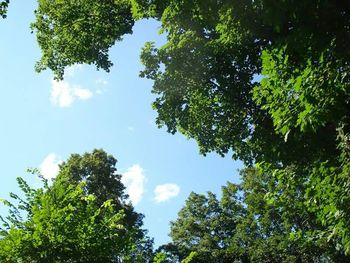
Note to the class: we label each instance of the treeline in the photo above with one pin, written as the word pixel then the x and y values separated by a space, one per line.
pixel 268 80
pixel 83 216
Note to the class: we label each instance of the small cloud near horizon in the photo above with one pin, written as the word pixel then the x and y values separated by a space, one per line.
pixel 134 180
pixel 164 192
pixel 49 167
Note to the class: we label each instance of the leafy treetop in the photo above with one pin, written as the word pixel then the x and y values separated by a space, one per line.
pixel 81 217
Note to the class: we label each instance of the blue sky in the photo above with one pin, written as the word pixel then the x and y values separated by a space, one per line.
pixel 43 122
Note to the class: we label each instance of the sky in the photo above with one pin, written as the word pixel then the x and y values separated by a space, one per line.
pixel 44 121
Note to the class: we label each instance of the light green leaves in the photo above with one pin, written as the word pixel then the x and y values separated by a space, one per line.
pixel 71 221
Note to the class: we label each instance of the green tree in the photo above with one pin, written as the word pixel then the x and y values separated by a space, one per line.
pixel 71 221
pixel 268 80
pixel 205 75
pixel 70 32
pixel 279 228
pixel 206 226
pixel 246 225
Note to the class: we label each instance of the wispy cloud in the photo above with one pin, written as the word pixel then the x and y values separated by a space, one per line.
pixel 63 93
pixel 49 167
pixel 164 192
pixel 134 180
pixel 101 82
pixel 81 93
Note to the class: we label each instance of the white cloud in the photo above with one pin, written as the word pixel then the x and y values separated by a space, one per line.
pixel 164 192
pixel 63 94
pixel 49 167
pixel 134 180
pixel 83 94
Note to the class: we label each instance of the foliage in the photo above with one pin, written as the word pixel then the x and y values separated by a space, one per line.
pixel 70 32
pixel 205 225
pixel 3 8
pixel 268 80
pixel 245 225
pixel 69 221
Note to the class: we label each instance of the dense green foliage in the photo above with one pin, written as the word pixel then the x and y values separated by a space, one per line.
pixel 71 32
pixel 293 124
pixel 82 217
pixel 244 226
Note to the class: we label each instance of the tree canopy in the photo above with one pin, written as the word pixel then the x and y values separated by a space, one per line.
pixel 83 216
pixel 70 32
pixel 245 226
pixel 267 80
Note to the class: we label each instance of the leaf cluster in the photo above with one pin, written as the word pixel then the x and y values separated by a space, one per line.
pixel 75 219
pixel 251 224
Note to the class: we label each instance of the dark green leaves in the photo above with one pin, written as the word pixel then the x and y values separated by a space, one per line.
pixel 294 123
pixel 70 32
pixel 3 8
pixel 259 220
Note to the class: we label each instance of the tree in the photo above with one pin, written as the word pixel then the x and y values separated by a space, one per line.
pixel 246 226
pixel 206 225
pixel 279 228
pixel 72 221
pixel 267 80
pixel 71 32
pixel 214 50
